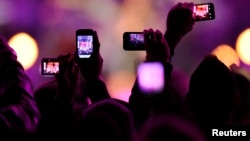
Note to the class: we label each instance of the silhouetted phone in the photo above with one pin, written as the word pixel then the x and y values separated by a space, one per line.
pixel 50 66
pixel 84 43
pixel 204 11
pixel 133 41
pixel 151 77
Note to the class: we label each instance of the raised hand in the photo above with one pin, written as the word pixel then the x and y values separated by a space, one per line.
pixel 67 77
pixel 156 46
pixel 179 22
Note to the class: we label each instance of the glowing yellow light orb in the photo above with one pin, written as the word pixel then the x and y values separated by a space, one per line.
pixel 243 46
pixel 26 49
pixel 227 55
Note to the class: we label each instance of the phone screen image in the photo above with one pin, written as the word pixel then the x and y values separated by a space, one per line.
pixel 50 67
pixel 203 12
pixel 84 46
pixel 133 41
pixel 136 40
pixel 151 77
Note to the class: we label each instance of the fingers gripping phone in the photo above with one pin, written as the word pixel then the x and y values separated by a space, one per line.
pixel 204 11
pixel 151 77
pixel 133 41
pixel 84 43
pixel 50 66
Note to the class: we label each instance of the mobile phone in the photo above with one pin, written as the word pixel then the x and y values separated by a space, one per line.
pixel 133 41
pixel 151 77
pixel 204 11
pixel 50 66
pixel 84 43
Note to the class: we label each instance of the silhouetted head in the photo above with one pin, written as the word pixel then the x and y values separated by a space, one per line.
pixel 58 119
pixel 170 128
pixel 6 51
pixel 45 96
pixel 106 120
pixel 212 90
pixel 145 104
pixel 243 84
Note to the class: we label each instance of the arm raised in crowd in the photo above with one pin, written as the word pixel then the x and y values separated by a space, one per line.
pixel 67 79
pixel 91 68
pixel 157 50
pixel 179 22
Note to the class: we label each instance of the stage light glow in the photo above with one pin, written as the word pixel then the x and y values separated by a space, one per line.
pixel 243 46
pixel 26 49
pixel 119 84
pixel 227 55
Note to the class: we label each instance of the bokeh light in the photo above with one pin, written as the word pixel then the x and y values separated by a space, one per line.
pixel 243 46
pixel 227 55
pixel 26 49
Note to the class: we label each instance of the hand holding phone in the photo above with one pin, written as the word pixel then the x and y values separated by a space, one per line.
pixel 204 11
pixel 133 41
pixel 50 66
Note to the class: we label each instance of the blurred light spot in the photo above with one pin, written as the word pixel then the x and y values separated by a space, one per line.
pixel 6 17
pixel 243 46
pixel 151 77
pixel 134 16
pixel 227 55
pixel 26 49
pixel 120 84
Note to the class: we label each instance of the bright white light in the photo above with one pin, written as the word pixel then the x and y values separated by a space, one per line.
pixel 26 49
pixel 243 46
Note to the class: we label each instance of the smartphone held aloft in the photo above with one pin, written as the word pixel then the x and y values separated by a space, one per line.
pixel 84 43
pixel 203 12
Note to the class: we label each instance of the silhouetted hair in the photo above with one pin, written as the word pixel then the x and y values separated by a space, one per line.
pixel 170 128
pixel 45 96
pixel 108 120
pixel 212 90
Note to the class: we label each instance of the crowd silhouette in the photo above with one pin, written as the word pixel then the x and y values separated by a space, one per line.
pixel 76 105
